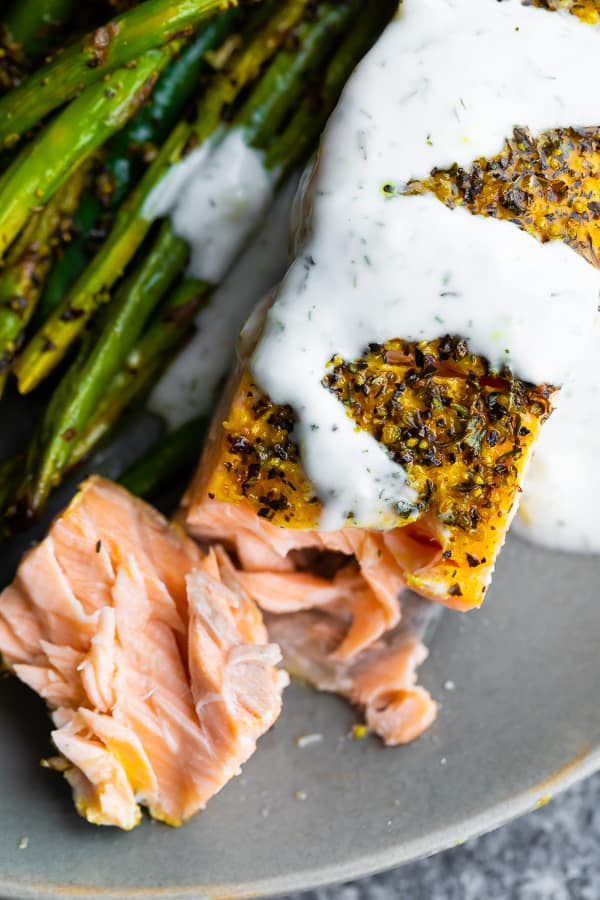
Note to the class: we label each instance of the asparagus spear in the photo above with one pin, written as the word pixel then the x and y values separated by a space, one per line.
pixel 171 96
pixel 173 456
pixel 9 470
pixel 175 89
pixel 125 38
pixel 286 80
pixel 28 263
pixel 51 342
pixel 299 137
pixel 151 355
pixel 74 258
pixel 171 325
pixel 31 22
pixel 85 124
pixel 127 387
pixel 64 422
pixel 131 385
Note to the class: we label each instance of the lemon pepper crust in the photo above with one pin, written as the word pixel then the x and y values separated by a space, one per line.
pixel 548 185
pixel 460 432
pixel 259 461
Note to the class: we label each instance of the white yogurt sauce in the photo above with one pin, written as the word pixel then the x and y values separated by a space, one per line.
pixel 447 82
pixel 215 197
pixel 188 387
pixel 560 505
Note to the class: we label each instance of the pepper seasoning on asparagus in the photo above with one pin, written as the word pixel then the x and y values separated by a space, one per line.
pixel 126 154
pixel 31 24
pixel 37 173
pixel 28 262
pixel 125 38
pixel 261 123
pixel 49 345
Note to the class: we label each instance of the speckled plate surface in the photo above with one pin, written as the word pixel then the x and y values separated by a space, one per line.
pixel 521 722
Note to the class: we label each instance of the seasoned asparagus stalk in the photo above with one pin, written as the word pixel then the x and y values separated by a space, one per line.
pixel 63 423
pixel 125 154
pixel 172 456
pixel 94 401
pixel 126 38
pixel 37 173
pixel 126 389
pixel 303 130
pixel 285 82
pixel 31 23
pixel 28 262
pixel 51 342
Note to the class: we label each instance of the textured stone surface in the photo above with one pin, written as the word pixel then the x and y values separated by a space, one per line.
pixel 552 854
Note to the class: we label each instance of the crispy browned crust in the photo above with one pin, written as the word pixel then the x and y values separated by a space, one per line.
pixel 548 185
pixel 459 432
pixel 462 435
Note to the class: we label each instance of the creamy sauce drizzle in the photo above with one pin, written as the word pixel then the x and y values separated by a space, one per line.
pixel 215 197
pixel 447 82
pixel 188 387
pixel 562 489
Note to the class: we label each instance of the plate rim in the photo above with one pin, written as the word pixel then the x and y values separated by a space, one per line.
pixel 579 768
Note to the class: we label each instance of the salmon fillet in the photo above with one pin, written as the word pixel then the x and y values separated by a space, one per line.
pixel 462 432
pixel 157 673
pixel 466 459
pixel 335 600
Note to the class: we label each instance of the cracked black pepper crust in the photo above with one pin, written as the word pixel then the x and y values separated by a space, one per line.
pixel 547 185
pixel 460 432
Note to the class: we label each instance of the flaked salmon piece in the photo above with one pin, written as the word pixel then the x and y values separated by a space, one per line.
pixel 380 680
pixel 157 673
pixel 346 631
pixel 368 582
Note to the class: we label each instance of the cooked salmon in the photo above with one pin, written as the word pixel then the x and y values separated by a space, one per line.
pixel 336 604
pixel 156 669
pixel 251 475
pixel 462 432
pixel 380 680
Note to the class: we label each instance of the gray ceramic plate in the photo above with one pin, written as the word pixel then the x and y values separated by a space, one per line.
pixel 521 723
